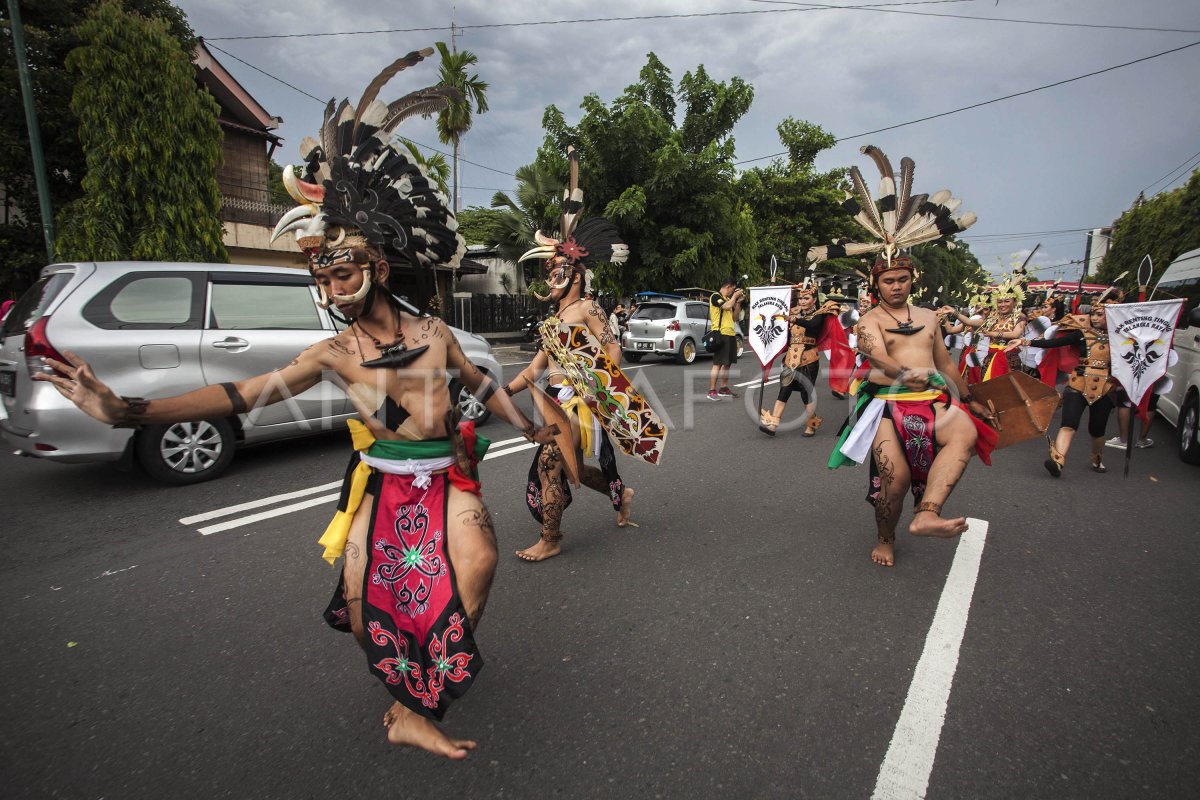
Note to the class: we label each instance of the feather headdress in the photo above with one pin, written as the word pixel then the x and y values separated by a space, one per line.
pixel 581 244
pixel 359 190
pixel 900 221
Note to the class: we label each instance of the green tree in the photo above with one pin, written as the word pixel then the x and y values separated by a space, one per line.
pixel 796 207
pixel 478 225
pixel 455 121
pixel 669 186
pixel 135 92
pixel 1163 227
pixel 50 34
pixel 434 164
pixel 955 271
pixel 536 205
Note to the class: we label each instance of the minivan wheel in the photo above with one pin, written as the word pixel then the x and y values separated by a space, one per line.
pixel 687 352
pixel 1189 431
pixel 186 452
pixel 469 407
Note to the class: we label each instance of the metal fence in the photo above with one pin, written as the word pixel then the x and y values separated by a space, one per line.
pixel 493 313
pixel 254 212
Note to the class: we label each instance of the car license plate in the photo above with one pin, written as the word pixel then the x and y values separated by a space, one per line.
pixel 8 383
pixel 645 345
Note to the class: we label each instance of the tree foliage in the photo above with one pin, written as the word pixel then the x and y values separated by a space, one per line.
pixel 658 162
pixel 151 143
pixel 454 122
pixel 50 28
pixel 947 275
pixel 437 169
pixel 1163 228
pixel 796 207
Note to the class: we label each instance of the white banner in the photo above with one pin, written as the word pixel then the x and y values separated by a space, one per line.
pixel 1139 340
pixel 769 306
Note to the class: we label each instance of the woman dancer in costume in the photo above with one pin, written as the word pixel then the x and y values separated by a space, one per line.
pixel 802 361
pixel 1090 386
pixel 1003 323
pixel 581 359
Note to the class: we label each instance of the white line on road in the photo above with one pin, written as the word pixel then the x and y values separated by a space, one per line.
pixel 755 382
pixel 517 449
pixel 266 501
pixel 905 772
pixel 274 512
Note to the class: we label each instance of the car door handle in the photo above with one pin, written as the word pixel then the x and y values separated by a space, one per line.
pixel 231 344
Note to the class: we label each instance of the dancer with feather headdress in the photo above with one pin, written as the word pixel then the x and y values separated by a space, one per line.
pixel 581 358
pixel 908 421
pixel 418 542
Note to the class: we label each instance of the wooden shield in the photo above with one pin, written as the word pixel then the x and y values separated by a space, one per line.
pixel 551 413
pixel 1023 405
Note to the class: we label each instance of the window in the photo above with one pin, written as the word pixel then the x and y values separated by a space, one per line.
pixel 147 301
pixel 34 303
pixel 654 312
pixel 1188 289
pixel 697 311
pixel 259 306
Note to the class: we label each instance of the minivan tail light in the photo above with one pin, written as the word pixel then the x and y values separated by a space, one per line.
pixel 37 346
pixel 674 326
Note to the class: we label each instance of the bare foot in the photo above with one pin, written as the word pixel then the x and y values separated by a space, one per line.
pixel 540 551
pixel 927 523
pixel 884 554
pixel 626 507
pixel 413 730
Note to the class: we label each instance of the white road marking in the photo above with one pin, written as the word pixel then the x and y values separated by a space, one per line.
pixel 909 760
pixel 755 382
pixel 108 572
pixel 274 512
pixel 266 501
pixel 517 449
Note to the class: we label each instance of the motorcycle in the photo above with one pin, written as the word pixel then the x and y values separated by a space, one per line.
pixel 529 326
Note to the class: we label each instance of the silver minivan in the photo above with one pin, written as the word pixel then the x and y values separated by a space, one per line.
pixel 1181 404
pixel 158 329
pixel 668 327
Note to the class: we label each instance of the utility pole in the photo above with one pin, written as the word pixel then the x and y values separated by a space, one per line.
pixel 35 139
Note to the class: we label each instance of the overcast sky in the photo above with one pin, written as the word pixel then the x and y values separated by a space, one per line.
pixel 1069 157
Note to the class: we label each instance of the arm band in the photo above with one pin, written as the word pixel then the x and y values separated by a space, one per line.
pixel 238 405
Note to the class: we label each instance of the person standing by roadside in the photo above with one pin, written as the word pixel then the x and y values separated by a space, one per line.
pixel 616 321
pixel 723 309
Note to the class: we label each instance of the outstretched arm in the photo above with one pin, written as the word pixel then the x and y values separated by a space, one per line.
pixel 483 386
pixel 77 382
pixel 945 367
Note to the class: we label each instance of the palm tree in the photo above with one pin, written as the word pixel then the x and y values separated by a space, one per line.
pixel 435 166
pixel 536 207
pixel 456 120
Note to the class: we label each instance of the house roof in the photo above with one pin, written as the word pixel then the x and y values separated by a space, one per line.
pixel 245 112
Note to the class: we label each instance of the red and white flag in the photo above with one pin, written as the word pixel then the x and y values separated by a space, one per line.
pixel 769 307
pixel 1139 341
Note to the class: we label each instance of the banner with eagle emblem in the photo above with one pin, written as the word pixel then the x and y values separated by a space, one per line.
pixel 769 307
pixel 1139 339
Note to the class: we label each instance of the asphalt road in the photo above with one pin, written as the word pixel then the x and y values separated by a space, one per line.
pixel 739 643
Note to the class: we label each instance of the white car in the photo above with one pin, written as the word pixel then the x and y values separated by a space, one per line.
pixel 1180 405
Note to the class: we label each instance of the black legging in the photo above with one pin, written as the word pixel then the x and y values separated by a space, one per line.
pixel 806 376
pixel 1072 411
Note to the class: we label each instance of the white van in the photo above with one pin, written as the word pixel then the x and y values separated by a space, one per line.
pixel 1181 405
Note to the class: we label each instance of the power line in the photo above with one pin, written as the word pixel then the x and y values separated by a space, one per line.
pixel 532 23
pixel 989 102
pixel 1183 166
pixel 997 19
pixel 264 72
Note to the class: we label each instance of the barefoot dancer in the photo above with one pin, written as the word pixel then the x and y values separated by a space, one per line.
pixel 419 547
pixel 931 435
pixel 580 357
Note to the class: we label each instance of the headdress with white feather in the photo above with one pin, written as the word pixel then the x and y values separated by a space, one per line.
pixel 900 221
pixel 581 244
pixel 359 190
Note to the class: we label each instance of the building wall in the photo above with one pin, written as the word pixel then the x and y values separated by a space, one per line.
pixel 251 244
pixel 492 282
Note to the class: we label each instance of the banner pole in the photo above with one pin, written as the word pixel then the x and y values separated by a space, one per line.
pixel 1133 423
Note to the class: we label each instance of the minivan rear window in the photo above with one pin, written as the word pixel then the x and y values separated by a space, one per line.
pixel 1188 289
pixel 655 311
pixel 33 303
